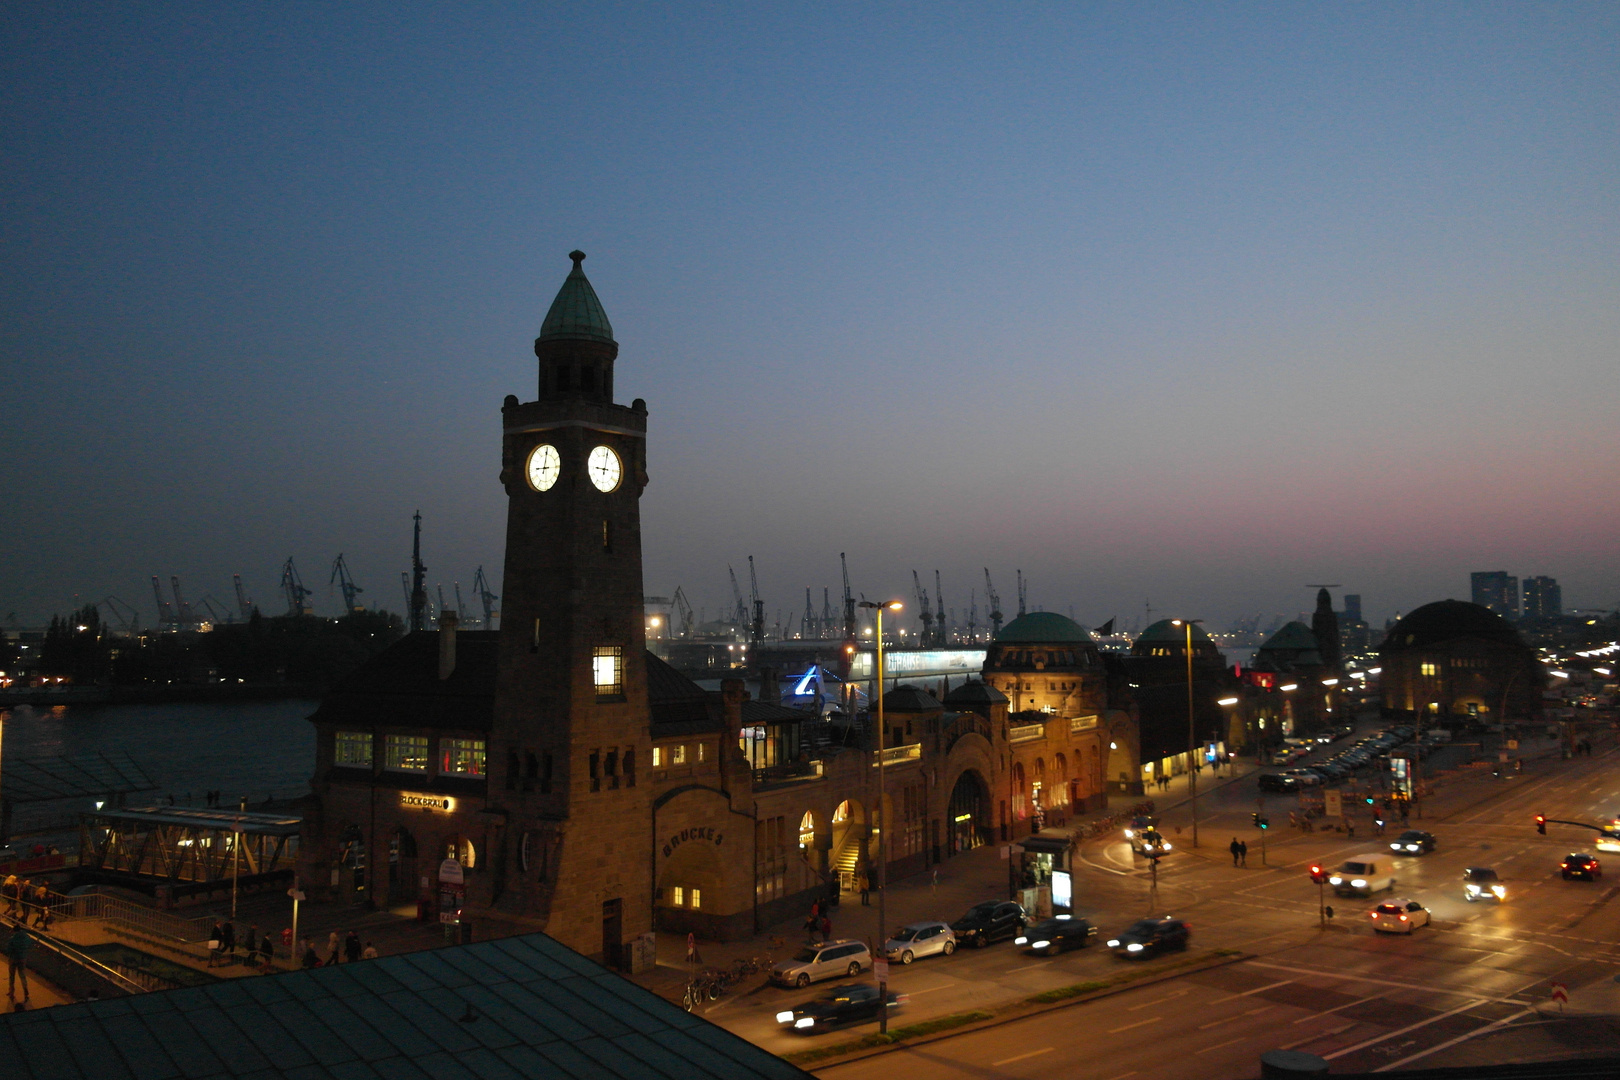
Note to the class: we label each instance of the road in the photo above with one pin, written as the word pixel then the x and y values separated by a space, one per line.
pixel 1467 986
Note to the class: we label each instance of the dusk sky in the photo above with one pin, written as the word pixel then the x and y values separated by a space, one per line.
pixel 1181 304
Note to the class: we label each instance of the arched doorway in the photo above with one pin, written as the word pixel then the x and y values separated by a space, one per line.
pixel 969 813
pixel 402 884
pixel 850 839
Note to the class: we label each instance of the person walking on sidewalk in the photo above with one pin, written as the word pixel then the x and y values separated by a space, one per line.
pixel 1235 849
pixel 17 957
pixel 352 947
pixel 1243 853
pixel 334 949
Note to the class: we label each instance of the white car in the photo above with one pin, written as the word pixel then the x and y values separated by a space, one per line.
pixel 1399 916
pixel 1361 876
pixel 920 939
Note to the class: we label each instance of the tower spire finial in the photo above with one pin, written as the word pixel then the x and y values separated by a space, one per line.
pixel 578 256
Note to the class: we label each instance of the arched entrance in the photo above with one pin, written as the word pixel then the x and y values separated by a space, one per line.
pixel 850 853
pixel 969 812
pixel 402 884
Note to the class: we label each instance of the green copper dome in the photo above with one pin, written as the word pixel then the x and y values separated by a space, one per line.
pixel 576 314
pixel 1166 631
pixel 1044 627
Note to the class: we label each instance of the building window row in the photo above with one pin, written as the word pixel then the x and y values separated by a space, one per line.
pixel 674 754
pixel 610 769
pixel 684 896
pixel 409 753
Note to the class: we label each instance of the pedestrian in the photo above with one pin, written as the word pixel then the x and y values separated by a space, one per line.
pixel 227 942
pixel 334 948
pixel 25 898
pixel 826 928
pixel 311 960
pixel 17 958
pixel 1350 828
pixel 351 947
pixel 42 896
pixel 935 886
pixel 267 951
pixel 866 887
pixel 370 952
pixel 216 942
pixel 1243 853
pixel 1235 849
pixel 8 889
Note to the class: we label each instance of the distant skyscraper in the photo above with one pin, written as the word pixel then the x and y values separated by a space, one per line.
pixel 1497 590
pixel 1352 607
pixel 1542 597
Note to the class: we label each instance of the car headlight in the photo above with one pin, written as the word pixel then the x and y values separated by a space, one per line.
pixel 1471 890
pixel 1335 881
pixel 1113 943
pixel 784 1017
pixel 804 1022
pixel 1499 891
pixel 1129 834
pixel 1167 847
pixel 1133 947
pixel 1394 847
pixel 1020 940
pixel 1040 944
pixel 1359 883
pixel 1411 847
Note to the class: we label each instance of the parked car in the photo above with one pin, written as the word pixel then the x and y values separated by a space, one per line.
pixel 1399 916
pixel 1481 883
pixel 1412 842
pixel 1361 876
pixel 918 939
pixel 1149 937
pixel 1276 782
pixel 841 1005
pixel 824 961
pixel 1578 865
pixel 1057 935
pixel 990 921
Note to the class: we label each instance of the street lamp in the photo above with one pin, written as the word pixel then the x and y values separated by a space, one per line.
pixel 1192 737
pixel 883 824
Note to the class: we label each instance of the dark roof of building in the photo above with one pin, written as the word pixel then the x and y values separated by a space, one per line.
pixel 1046 627
pixel 769 712
pixel 910 699
pixel 1447 620
pixel 1166 631
pixel 400 686
pixel 519 1006
pixel 1293 636
pixel 576 314
pixel 676 701
pixel 975 692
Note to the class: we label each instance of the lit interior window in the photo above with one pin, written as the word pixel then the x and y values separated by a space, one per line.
pixel 607 670
pixel 352 748
pixel 658 757
pixel 697 898
pixel 678 895
pixel 464 757
pixel 677 754
pixel 407 753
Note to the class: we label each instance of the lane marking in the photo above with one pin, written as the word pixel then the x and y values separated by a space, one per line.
pixel 1410 1027
pixel 1160 1001
pixel 1026 967
pixel 1122 1076
pixel 1256 990
pixel 1251 1012
pixel 1363 978
pixel 1502 1023
pixel 1318 1035
pixel 1336 1008
pixel 1021 1057
pixel 1228 1042
pixel 1139 1023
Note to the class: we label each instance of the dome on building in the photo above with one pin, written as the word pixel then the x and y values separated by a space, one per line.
pixel 1447 620
pixel 910 699
pixel 1045 627
pixel 1294 637
pixel 974 692
pixel 1166 632
pixel 576 314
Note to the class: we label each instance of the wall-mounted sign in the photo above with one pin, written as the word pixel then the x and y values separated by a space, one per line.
pixel 688 835
pixel 427 802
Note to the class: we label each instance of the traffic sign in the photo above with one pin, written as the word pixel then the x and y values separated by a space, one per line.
pixel 1560 993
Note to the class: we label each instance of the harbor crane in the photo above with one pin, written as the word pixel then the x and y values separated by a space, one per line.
pixel 1023 592
pixel 185 618
pixel 243 604
pixel 486 598
pixel 850 628
pixel 440 588
pixel 739 615
pixel 826 613
pixel 973 616
pixel 461 609
pixel 809 629
pixel 994 601
pixel 940 632
pixel 165 612
pixel 345 582
pixel 292 586
pixel 757 633
pixel 131 623
pixel 682 610
pixel 217 610
pixel 405 584
pixel 924 612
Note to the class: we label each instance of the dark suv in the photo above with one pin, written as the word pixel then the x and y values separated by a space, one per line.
pixel 1149 937
pixel 1276 782
pixel 989 921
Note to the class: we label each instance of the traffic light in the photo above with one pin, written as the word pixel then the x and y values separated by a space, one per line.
pixel 1370 800
pixel 1541 824
pixel 1262 823
pixel 1255 817
pixel 1318 875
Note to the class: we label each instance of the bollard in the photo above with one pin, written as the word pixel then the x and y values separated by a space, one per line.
pixel 1285 1064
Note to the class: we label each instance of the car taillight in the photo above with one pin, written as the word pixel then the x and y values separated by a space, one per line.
pixel 1403 918
pixel 1374 914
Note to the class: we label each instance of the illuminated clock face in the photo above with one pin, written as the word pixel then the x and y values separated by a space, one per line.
pixel 544 467
pixel 604 468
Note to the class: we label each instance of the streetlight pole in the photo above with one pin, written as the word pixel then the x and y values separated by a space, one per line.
pixel 883 824
pixel 1192 735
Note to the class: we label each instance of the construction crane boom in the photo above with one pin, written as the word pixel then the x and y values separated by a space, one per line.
pixel 994 601
pixel 243 604
pixel 940 632
pixel 808 629
pixel 461 609
pixel 683 611
pixel 849 603
pixel 826 613
pixel 345 582
pixel 219 611
pixel 165 612
pixel 293 587
pixel 486 598
pixel 739 615
pixel 757 634
pixel 973 616
pixel 924 612
pixel 131 623
pixel 185 618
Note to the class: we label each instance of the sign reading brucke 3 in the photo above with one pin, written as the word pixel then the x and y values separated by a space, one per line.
pixel 685 835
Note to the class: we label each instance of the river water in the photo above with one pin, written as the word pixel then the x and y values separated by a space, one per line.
pixel 262 749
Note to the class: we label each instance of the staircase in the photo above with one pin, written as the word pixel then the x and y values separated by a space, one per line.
pixel 847 860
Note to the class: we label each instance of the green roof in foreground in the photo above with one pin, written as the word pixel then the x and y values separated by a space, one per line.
pixel 519 1006
pixel 1044 627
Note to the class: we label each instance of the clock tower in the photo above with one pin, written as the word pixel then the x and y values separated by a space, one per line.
pixel 570 746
